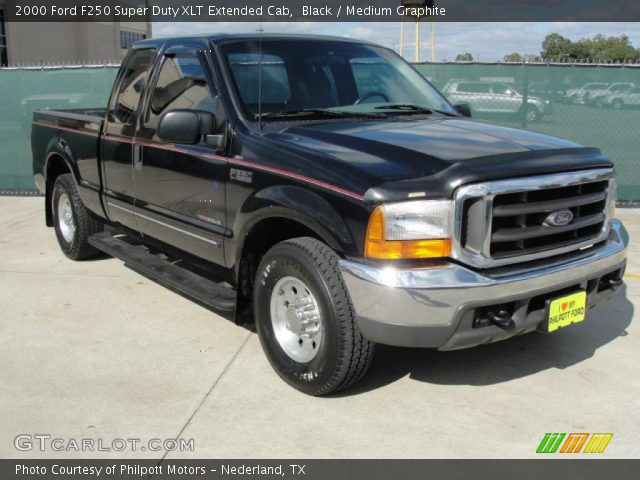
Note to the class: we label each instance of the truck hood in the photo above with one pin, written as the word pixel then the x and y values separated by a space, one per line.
pixel 435 153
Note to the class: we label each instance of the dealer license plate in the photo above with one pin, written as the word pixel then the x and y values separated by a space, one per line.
pixel 564 311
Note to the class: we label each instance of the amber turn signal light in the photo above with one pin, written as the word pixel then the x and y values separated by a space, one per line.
pixel 377 247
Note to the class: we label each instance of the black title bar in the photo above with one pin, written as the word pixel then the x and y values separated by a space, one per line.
pixel 322 10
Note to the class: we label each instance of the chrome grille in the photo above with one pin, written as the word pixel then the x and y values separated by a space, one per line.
pixel 503 222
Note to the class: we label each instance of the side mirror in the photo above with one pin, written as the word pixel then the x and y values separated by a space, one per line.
pixel 463 109
pixel 186 126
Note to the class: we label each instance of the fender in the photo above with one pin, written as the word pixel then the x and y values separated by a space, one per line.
pixel 89 195
pixel 58 147
pixel 295 203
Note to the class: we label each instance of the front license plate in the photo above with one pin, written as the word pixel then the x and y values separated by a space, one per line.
pixel 566 310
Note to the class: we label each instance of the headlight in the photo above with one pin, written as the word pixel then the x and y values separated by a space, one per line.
pixel 418 229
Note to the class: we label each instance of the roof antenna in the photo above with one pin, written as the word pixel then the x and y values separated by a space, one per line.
pixel 260 30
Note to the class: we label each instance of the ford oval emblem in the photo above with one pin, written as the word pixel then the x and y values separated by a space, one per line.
pixel 559 218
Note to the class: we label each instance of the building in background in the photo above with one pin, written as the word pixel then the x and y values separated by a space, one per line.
pixel 67 42
pixel 3 40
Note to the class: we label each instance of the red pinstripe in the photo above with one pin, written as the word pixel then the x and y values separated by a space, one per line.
pixel 60 127
pixel 231 160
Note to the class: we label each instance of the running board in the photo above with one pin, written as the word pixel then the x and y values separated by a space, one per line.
pixel 178 279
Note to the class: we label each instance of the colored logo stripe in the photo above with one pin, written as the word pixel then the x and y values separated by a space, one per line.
pixel 574 442
pixel 550 443
pixel 598 442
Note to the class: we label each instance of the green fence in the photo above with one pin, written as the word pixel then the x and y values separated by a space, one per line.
pixel 593 105
pixel 590 104
pixel 24 90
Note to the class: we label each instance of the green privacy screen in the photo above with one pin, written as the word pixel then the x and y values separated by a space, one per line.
pixel 24 90
pixel 591 105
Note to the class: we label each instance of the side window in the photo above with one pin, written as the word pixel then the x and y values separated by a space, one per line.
pixel 473 88
pixel 181 84
pixel 502 89
pixel 134 79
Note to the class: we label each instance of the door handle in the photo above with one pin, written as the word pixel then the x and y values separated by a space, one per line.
pixel 137 158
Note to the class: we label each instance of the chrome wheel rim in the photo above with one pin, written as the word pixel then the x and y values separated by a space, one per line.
pixel 295 317
pixel 66 222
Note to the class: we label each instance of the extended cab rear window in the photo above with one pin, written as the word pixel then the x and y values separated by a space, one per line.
pixel 135 73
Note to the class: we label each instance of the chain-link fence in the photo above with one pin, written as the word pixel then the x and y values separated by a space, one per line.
pixel 594 105
pixel 25 89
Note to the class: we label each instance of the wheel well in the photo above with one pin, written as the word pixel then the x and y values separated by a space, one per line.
pixel 262 236
pixel 56 166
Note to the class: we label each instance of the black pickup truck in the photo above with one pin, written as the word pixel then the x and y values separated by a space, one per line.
pixel 323 189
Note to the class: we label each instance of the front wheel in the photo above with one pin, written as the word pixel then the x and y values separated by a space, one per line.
pixel 72 221
pixel 305 319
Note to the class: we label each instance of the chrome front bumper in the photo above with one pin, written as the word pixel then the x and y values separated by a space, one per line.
pixel 436 306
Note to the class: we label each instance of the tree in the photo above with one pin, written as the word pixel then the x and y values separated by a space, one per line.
pixel 464 57
pixel 610 49
pixel 598 48
pixel 555 47
pixel 513 58
pixel 531 58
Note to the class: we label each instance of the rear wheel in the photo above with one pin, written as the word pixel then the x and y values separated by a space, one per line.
pixel 305 319
pixel 532 114
pixel 616 104
pixel 72 221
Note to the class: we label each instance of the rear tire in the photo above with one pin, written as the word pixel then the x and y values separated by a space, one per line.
pixel 617 104
pixel 532 114
pixel 73 223
pixel 305 319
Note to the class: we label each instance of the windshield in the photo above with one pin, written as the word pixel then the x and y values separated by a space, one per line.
pixel 330 76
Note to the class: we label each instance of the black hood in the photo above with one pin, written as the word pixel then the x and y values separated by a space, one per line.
pixel 435 155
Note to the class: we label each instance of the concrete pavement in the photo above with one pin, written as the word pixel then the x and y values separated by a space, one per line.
pixel 93 350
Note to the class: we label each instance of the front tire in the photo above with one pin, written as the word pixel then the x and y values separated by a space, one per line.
pixel 305 319
pixel 72 221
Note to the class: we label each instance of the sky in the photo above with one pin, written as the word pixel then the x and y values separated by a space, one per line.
pixel 485 41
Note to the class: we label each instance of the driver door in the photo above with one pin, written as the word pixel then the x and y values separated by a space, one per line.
pixel 180 189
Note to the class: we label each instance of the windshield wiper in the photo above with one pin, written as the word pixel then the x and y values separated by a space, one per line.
pixel 307 112
pixel 409 108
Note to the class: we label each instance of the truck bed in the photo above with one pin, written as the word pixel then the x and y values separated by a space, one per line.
pixel 75 130
pixel 82 115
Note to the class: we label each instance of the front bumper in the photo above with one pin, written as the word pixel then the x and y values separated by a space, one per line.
pixel 436 306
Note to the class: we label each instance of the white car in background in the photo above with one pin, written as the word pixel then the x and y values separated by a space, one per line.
pixel 580 96
pixel 627 98
pixel 494 98
pixel 614 88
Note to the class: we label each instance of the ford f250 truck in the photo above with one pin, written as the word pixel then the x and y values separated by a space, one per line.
pixel 323 189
